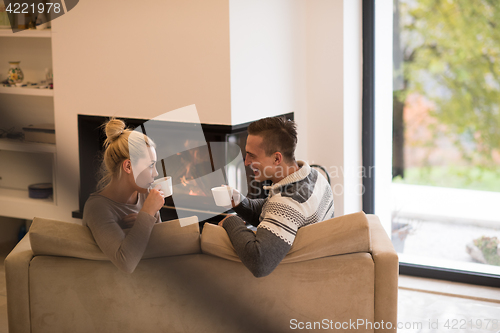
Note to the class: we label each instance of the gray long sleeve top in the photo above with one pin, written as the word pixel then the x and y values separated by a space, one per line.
pixel 122 242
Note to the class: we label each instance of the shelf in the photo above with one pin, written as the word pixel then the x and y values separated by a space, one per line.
pixel 47 33
pixel 26 162
pixel 17 203
pixel 26 91
pixel 7 194
pixel 28 147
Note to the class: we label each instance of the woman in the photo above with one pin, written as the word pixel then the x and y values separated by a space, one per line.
pixel 121 214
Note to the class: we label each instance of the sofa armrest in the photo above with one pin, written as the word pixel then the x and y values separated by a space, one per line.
pixel 17 278
pixel 386 274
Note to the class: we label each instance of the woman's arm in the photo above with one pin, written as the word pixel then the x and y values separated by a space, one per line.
pixel 125 250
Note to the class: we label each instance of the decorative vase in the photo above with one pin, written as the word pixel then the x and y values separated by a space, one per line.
pixel 15 75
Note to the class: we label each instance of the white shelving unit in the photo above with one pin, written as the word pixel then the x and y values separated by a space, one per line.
pixel 26 162
pixel 17 203
pixel 15 195
pixel 47 33
pixel 27 147
pixel 27 91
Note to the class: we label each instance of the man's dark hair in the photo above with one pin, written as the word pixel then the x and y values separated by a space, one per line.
pixel 278 134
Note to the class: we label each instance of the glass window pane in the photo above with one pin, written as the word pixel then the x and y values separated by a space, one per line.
pixel 446 133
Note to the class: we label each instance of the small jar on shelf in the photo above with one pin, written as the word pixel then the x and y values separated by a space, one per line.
pixel 15 75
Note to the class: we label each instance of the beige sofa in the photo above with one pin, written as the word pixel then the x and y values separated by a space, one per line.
pixel 340 274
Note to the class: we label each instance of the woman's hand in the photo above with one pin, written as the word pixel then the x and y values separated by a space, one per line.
pixel 128 221
pixel 154 202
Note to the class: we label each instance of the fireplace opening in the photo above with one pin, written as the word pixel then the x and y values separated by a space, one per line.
pixel 221 148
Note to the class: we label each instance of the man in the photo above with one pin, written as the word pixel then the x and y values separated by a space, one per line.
pixel 298 196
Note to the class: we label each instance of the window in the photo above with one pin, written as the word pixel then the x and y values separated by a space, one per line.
pixel 445 160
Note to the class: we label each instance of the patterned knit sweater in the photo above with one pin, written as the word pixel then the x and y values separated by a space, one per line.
pixel 302 198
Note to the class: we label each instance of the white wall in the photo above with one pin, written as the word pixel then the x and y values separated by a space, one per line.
pixel 267 58
pixel 353 93
pixel 334 93
pixel 383 111
pixel 268 62
pixel 114 58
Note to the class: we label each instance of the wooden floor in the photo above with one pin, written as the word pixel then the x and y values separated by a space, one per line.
pixel 426 305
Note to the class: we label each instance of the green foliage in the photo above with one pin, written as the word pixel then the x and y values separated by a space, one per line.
pixel 488 245
pixel 471 178
pixel 451 54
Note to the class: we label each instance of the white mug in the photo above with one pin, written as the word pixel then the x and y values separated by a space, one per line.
pixel 165 184
pixel 222 195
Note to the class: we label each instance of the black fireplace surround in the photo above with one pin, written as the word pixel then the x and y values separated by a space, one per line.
pixel 91 139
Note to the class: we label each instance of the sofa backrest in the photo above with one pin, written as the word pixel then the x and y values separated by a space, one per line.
pixel 339 235
pixel 56 238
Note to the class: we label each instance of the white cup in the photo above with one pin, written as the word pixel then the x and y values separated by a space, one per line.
pixel 165 184
pixel 222 195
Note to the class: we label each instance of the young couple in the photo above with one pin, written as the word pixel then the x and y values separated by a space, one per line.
pixel 122 213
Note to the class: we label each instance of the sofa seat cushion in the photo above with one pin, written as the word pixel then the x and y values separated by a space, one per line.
pixel 56 238
pixel 197 293
pixel 339 235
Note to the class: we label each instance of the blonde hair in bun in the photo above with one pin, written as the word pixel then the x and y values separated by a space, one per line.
pixel 113 129
pixel 120 143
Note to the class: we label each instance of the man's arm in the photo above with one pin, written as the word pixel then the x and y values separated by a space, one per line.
pixel 260 252
pixel 250 209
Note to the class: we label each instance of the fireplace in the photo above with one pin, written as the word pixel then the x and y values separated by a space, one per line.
pixel 217 149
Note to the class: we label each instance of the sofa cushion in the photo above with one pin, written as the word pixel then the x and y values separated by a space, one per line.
pixel 339 235
pixel 56 238
pixel 216 242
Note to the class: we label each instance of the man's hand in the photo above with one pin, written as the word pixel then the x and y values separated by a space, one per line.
pixel 235 198
pixel 222 222
pixel 228 216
